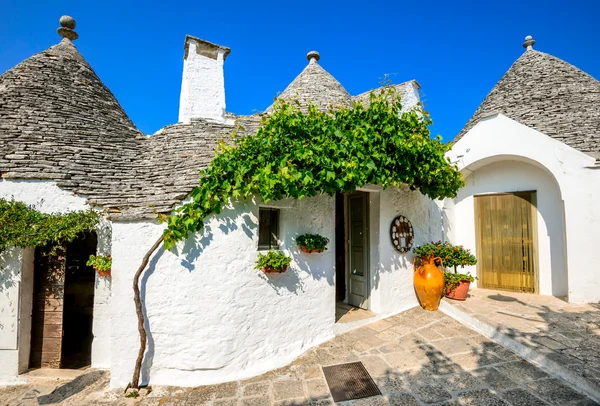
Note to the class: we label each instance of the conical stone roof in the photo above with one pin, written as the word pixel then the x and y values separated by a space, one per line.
pixel 58 121
pixel 550 95
pixel 314 84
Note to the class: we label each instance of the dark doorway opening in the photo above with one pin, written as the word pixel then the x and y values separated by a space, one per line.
pixel 79 303
pixel 63 296
pixel 340 249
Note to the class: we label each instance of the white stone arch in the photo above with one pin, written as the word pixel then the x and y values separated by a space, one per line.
pixel 513 173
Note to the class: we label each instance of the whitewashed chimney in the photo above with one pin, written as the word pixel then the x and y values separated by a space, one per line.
pixel 203 83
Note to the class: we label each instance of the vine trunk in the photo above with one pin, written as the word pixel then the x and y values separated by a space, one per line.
pixel 135 381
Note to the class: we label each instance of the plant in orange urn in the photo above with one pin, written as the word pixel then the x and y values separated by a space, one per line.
pixel 428 277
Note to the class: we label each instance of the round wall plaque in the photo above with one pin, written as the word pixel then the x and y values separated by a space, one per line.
pixel 401 233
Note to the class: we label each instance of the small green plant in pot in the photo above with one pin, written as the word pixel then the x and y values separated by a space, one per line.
pixel 312 243
pixel 102 264
pixel 454 256
pixel 273 261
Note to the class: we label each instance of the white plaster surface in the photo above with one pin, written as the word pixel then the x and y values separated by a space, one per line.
pixel 202 86
pixel 213 318
pixel 48 198
pixel 411 96
pixel 558 172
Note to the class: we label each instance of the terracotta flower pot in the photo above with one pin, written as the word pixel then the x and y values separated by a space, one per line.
pixel 270 269
pixel 459 292
pixel 105 274
pixel 429 283
pixel 308 251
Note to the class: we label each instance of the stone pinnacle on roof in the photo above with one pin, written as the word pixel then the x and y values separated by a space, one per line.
pixel 529 42
pixel 67 27
pixel 313 56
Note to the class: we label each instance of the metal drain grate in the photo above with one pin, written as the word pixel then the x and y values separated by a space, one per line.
pixel 350 381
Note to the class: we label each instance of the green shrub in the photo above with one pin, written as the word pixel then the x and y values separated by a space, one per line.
pixel 100 262
pixel 313 242
pixel 452 280
pixel 275 260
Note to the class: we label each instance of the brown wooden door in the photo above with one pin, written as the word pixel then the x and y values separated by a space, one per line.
pixel 506 241
pixel 47 322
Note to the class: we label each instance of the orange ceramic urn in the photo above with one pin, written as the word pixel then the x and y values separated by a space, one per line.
pixel 429 283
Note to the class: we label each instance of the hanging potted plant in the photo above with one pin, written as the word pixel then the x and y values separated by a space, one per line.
pixel 456 284
pixel 428 277
pixel 312 243
pixel 101 264
pixel 273 261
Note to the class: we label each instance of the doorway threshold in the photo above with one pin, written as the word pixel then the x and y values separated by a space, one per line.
pixel 345 313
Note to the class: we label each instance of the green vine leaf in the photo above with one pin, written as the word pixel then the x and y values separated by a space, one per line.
pixel 298 154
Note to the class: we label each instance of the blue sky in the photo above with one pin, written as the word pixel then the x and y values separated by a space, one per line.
pixel 457 50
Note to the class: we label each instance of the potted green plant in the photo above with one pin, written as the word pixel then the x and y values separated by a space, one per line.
pixel 102 264
pixel 273 261
pixel 312 243
pixel 453 256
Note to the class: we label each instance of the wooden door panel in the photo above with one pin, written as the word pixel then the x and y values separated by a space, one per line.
pixel 505 227
pixel 47 320
pixel 358 250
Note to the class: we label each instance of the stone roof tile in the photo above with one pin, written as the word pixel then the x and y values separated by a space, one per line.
pixel 550 95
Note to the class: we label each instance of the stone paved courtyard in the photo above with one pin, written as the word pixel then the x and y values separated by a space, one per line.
pixel 416 358
pixel 565 333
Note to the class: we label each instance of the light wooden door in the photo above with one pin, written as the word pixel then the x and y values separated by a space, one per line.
pixel 48 301
pixel 506 241
pixel 358 250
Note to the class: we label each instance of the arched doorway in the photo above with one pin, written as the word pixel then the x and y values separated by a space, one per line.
pixel 515 177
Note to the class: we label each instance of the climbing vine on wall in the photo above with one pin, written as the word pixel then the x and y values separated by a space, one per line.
pixel 301 154
pixel 21 225
pixel 298 154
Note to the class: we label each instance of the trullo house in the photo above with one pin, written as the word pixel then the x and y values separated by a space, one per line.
pixel 529 154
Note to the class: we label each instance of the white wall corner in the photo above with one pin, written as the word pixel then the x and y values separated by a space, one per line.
pixel 411 96
pixel 203 82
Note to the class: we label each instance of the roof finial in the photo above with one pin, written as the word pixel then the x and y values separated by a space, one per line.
pixel 313 56
pixel 67 25
pixel 528 44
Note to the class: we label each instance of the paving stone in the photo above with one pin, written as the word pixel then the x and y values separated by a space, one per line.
pixel 520 397
pixel 431 393
pixel 403 360
pixel 292 402
pixel 388 335
pixel 460 382
pixel 430 334
pixel 371 401
pixel 258 401
pixel 197 396
pixel 226 390
pixel 317 388
pixel 451 346
pixel 391 384
pixel 480 397
pixel 474 360
pixel 375 365
pixel 225 402
pixel 521 371
pixel 411 340
pixel 402 399
pixel 494 379
pixel 287 389
pixel 256 389
pixel 418 377
pixel 555 391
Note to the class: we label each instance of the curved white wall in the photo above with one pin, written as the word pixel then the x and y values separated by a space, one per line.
pixel 515 176
pixel 213 318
